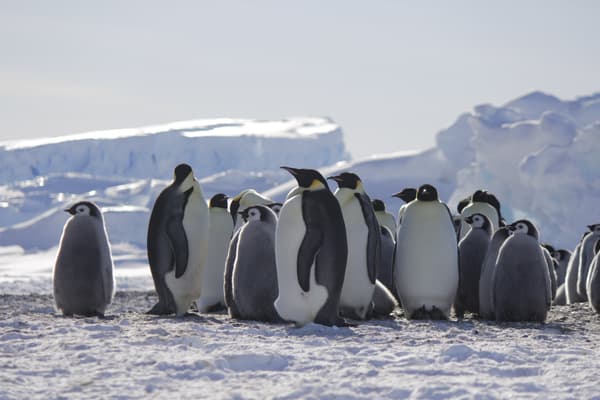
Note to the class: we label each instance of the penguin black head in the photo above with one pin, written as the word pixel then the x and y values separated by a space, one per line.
pixel 84 208
pixel 524 226
pixel 561 254
pixel 181 172
pixel 549 247
pixel 595 229
pixel 484 196
pixel 219 200
pixel 308 178
pixel 258 213
pixel 276 207
pixel 378 205
pixel 407 194
pixel 347 180
pixel 479 221
pixel 427 193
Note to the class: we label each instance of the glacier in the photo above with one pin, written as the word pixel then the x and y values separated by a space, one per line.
pixel 539 154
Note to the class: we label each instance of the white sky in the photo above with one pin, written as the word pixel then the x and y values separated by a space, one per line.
pixel 392 73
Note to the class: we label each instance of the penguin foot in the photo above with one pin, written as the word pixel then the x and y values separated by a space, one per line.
pixel 433 314
pixel 159 309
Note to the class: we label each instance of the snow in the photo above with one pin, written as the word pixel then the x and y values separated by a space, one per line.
pixel 538 154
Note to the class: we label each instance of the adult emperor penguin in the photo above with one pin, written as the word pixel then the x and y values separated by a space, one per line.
pixel 408 195
pixel 482 202
pixel 178 243
pixel 593 282
pixel 521 283
pixel 364 245
pixel 571 275
pixel 487 270
pixel 383 217
pixel 311 252
pixel 585 258
pixel 562 257
pixel 471 251
pixel 212 297
pixel 426 262
pixel 83 277
pixel 254 271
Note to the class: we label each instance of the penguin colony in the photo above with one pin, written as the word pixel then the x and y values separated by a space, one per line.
pixel 332 258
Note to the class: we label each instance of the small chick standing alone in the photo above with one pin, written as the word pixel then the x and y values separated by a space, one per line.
pixel 83 276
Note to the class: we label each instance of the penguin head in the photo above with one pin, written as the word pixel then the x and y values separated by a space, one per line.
pixel 86 208
pixel 184 178
pixel 235 204
pixel 258 213
pixel 561 254
pixel 308 178
pixel 525 227
pixel 427 193
pixel 219 200
pixel 378 205
pixel 483 196
pixel 595 229
pixel 462 204
pixel 479 221
pixel 549 247
pixel 276 207
pixel 347 180
pixel 407 194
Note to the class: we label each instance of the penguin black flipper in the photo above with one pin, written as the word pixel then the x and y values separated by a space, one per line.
pixel 373 237
pixel 228 279
pixel 312 242
pixel 178 243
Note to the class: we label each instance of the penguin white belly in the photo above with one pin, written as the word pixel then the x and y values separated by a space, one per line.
pixel 221 227
pixel 481 208
pixel 357 291
pixel 292 303
pixel 187 288
pixel 426 259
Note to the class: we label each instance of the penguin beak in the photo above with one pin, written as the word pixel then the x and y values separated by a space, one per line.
pixel 469 219
pixel 293 171
pixel 591 227
pixel 335 178
pixel 398 195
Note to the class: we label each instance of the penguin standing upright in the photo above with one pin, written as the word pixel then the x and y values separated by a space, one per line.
pixel 83 277
pixel 220 229
pixel 483 202
pixel 178 243
pixel 408 195
pixel 311 252
pixel 383 217
pixel 245 199
pixel 593 282
pixel 571 275
pixel 521 285
pixel 562 256
pixel 585 258
pixel 364 246
pixel 487 270
pixel 471 251
pixel 254 272
pixel 426 263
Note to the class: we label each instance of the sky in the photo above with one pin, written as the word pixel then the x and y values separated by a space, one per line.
pixel 391 73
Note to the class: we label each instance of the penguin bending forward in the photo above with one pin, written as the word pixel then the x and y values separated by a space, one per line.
pixel 426 267
pixel 83 277
pixel 311 252
pixel 177 243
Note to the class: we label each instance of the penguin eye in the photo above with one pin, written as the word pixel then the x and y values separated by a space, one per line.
pixel 253 215
pixel 83 210
pixel 521 227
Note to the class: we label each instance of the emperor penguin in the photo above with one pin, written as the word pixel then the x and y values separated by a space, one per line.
pixel 561 297
pixel 482 202
pixel 551 264
pixel 593 282
pixel 254 271
pixel 426 261
pixel 384 302
pixel 487 270
pixel 562 257
pixel 178 242
pixel 245 199
pixel 571 274
pixel 364 245
pixel 521 283
pixel 83 276
pixel 471 251
pixel 311 251
pixel 585 258
pixel 384 217
pixel 220 224
pixel 407 195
